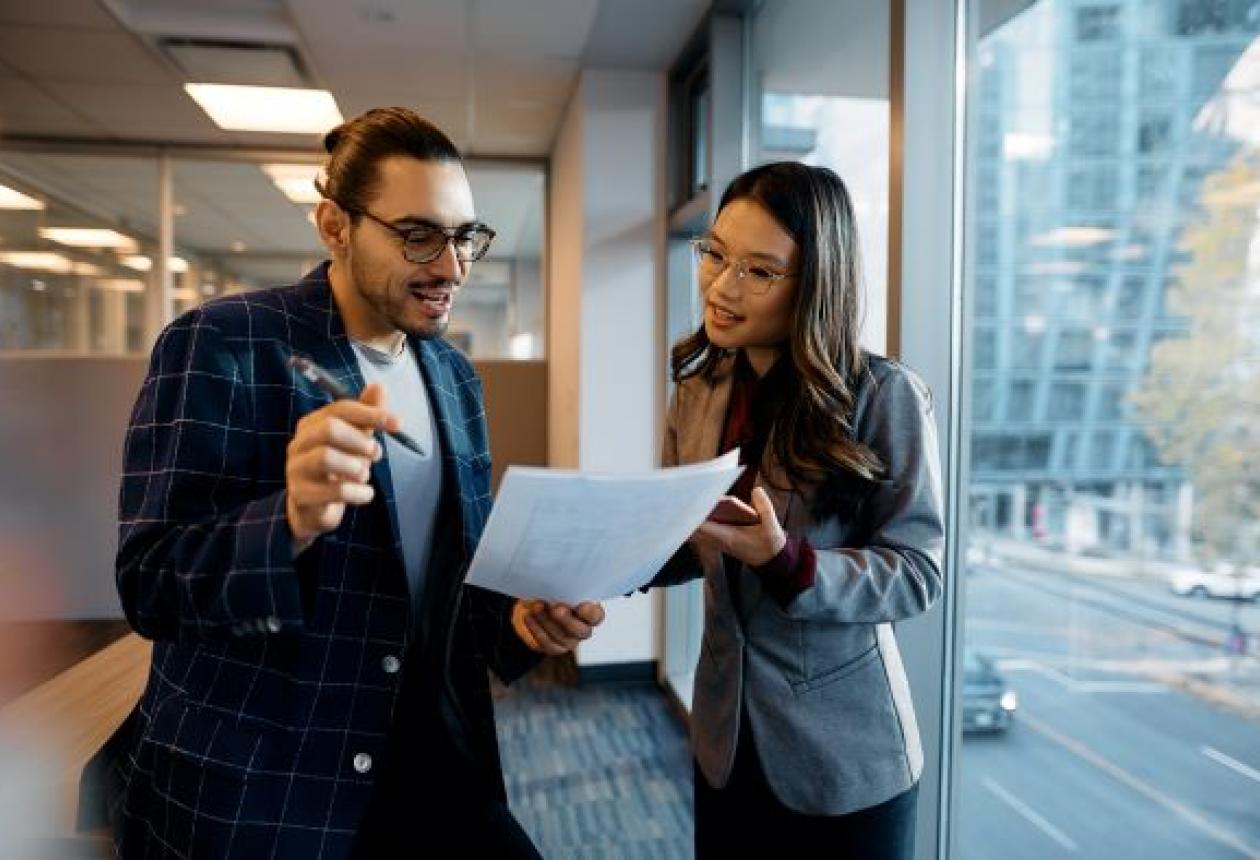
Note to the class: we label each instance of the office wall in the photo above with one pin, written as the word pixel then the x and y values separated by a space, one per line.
pixel 64 420
pixel 516 412
pixel 605 308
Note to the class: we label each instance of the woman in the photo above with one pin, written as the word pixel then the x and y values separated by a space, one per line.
pixel 802 724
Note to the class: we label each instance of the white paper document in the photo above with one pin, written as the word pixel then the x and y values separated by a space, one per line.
pixel 572 536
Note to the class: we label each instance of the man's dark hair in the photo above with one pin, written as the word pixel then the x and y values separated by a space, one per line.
pixel 357 147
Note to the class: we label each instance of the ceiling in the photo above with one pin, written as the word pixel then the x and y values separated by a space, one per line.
pixel 495 74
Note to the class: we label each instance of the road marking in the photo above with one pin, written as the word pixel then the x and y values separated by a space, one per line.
pixel 1029 815
pixel 1069 683
pixel 1235 764
pixel 1191 816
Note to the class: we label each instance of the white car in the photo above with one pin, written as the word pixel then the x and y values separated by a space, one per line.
pixel 1221 582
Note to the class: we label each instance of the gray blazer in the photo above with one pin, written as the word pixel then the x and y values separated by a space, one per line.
pixel 821 681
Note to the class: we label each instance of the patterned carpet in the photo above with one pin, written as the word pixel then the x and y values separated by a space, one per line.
pixel 601 771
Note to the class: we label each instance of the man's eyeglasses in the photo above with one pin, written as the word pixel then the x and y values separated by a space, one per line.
pixel 714 261
pixel 425 242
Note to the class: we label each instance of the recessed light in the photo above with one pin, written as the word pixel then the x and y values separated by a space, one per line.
pixel 12 199
pixel 295 181
pixel 43 261
pixel 289 110
pixel 85 237
pixel 141 263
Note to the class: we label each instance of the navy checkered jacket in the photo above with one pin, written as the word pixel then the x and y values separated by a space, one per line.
pixel 274 683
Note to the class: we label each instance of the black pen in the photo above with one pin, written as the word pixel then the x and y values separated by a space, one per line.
pixel 325 382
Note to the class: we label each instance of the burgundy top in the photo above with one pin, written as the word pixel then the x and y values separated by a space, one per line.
pixel 747 427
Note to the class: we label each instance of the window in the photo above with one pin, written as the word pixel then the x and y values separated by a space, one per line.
pixel 1027 343
pixel 1067 401
pixel 1097 23
pixel 1020 407
pixel 1092 188
pixel 1075 350
pixel 1131 298
pixel 1212 17
pixel 1153 134
pixel 804 113
pixel 985 296
pixel 1159 76
pixel 1096 75
pixel 986 349
pixel 1150 476
pixel 983 403
pixel 1093 133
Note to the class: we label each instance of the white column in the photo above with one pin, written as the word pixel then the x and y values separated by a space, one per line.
pixel 606 264
pixel 158 297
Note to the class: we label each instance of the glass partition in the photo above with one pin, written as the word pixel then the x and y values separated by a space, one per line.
pixel 79 234
pixel 72 229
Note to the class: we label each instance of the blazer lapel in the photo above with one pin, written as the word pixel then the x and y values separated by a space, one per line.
pixel 331 350
pixel 700 431
pixel 448 415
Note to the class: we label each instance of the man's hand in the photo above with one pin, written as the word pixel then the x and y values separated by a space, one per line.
pixel 328 463
pixel 753 545
pixel 555 628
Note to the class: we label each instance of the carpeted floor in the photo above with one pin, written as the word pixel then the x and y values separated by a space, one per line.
pixel 602 771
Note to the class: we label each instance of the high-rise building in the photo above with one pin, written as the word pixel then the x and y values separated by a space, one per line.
pixel 1087 165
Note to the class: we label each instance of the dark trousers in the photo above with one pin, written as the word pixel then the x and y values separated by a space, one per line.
pixel 417 827
pixel 746 817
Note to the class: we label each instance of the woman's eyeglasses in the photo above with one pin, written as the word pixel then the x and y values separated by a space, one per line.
pixel 714 261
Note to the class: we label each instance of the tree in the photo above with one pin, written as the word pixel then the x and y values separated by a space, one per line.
pixel 1199 401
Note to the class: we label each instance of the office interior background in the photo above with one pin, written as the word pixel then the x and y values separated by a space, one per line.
pixel 1059 203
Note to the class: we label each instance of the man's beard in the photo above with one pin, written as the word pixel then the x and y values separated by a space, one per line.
pixel 382 302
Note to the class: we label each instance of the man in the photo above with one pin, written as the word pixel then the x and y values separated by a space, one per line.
pixel 318 685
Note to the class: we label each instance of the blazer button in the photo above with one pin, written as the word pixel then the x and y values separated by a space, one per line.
pixel 362 762
pixel 390 664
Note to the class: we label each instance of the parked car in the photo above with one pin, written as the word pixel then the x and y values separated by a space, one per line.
pixel 1221 581
pixel 988 703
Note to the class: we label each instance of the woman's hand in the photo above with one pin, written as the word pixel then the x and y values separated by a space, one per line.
pixel 753 545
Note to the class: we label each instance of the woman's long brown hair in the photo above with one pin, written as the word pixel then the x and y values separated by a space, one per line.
pixel 813 433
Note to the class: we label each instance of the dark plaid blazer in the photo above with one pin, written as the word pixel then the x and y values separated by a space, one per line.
pixel 266 721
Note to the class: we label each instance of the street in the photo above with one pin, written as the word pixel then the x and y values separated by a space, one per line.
pixel 1110 754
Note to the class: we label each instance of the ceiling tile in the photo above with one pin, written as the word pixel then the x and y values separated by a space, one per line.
pixel 541 28
pixel 374 25
pixel 348 68
pixel 26 109
pixel 140 112
pixel 511 128
pixel 84 14
pixel 504 79
pixel 80 55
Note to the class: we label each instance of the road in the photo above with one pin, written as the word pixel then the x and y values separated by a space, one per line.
pixel 1108 756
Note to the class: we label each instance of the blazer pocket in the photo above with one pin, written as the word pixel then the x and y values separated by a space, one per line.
pixel 211 739
pixel 830 676
pixel 203 761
